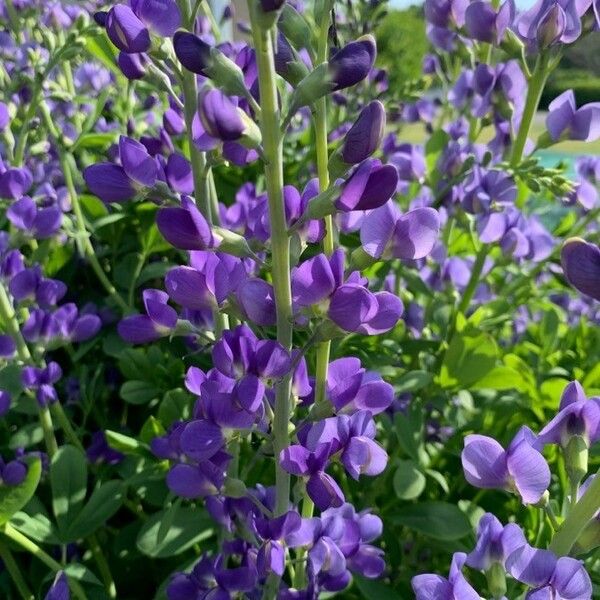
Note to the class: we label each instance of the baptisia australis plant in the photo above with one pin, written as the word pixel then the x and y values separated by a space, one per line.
pixel 246 322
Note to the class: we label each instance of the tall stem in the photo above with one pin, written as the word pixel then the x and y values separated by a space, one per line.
pixel 200 170
pixel 83 240
pixel 534 94
pixel 579 516
pixel 280 244
pixel 320 120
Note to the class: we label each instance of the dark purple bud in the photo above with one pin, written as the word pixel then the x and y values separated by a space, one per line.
pixel 126 31
pixel 7 346
pixel 581 265
pixel 352 63
pixel 59 589
pixel 271 5
pixel 220 116
pixel 100 17
pixel 184 227
pixel 179 174
pixel 192 52
pixel 365 135
pixel 133 66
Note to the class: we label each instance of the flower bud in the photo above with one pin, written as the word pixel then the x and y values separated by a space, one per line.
pixel 126 31
pixel 223 120
pixel 193 53
pixel 496 578
pixel 353 62
pixel 346 68
pixel 361 141
pixel 287 62
pixel 100 17
pixel 133 66
pixel 576 458
pixel 551 27
pixel 234 488
pixel 294 27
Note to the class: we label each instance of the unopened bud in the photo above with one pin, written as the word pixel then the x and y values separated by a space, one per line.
pixel 496 578
pixel 234 488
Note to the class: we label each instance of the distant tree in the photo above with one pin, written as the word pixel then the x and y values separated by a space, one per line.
pixel 402 44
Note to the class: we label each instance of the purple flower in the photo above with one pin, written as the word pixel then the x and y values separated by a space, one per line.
pixel 162 16
pixel 521 468
pixel 351 388
pixel 59 590
pixel 193 53
pixel 321 487
pixel 8 347
pixel 126 31
pixel 577 416
pixel 159 321
pixel 485 24
pixel 581 266
pixel 436 587
pixel 219 115
pixel 99 451
pixel 365 135
pixel 387 233
pixel 567 122
pixel 15 182
pixel 133 66
pixel 184 227
pixel 552 577
pixel 40 223
pixel 495 543
pixel 42 380
pixel 370 186
pixel 352 63
pixel 5 402
pixel 552 21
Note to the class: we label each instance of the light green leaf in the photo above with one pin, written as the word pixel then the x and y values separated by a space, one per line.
pixel 409 482
pixel 14 497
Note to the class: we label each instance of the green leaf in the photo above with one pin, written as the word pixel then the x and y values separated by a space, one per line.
pixel 104 502
pixel 176 405
pixel 471 355
pixel 138 392
pixel 409 482
pixel 413 381
pixel 14 497
pixel 127 444
pixel 38 527
pixel 372 588
pixel 188 526
pixel 26 436
pixel 501 378
pixel 68 479
pixel 439 520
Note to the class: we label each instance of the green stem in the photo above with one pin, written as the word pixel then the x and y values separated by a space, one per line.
pixel 534 94
pixel 103 566
pixel 48 429
pixel 24 542
pixel 66 426
pixel 320 121
pixel 581 513
pixel 299 579
pixel 280 245
pixel 13 568
pixel 477 269
pixel 83 239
